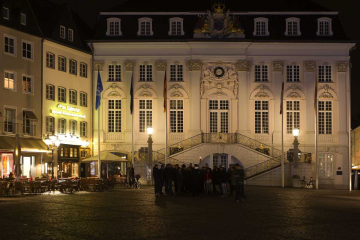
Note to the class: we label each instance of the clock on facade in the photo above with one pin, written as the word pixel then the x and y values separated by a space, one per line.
pixel 219 72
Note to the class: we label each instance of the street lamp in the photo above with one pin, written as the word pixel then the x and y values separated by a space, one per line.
pixel 296 143
pixel 150 131
pixel 53 143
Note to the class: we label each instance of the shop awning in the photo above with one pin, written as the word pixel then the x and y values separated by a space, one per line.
pixel 105 157
pixel 27 144
pixel 30 115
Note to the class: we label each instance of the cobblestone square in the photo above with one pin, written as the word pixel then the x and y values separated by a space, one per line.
pixel 268 213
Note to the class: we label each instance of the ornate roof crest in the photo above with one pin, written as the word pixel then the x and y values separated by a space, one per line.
pixel 218 24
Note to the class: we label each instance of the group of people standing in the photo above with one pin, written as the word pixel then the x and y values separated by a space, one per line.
pixel 175 180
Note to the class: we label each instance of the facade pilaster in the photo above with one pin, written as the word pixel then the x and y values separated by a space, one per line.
pixel 243 69
pixel 194 68
pixel 277 79
pixel 160 68
pixel 310 80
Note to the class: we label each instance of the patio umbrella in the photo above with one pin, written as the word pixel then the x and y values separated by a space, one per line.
pixel 17 155
pixel 105 157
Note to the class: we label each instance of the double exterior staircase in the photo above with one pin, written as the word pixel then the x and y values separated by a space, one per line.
pixel 272 154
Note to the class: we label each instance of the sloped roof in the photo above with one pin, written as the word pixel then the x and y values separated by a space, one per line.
pixel 233 5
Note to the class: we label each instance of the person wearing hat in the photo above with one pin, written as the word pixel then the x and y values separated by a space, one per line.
pixel 156 175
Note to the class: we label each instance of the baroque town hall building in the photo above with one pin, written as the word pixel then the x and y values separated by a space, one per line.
pixel 224 66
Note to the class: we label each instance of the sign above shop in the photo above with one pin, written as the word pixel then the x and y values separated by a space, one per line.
pixel 67 111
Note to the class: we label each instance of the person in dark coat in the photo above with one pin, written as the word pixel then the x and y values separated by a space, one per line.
pixel 156 175
pixel 169 177
pixel 223 178
pixel 184 182
pixel 196 181
pixel 237 180
pixel 179 180
pixel 216 181
pixel 162 178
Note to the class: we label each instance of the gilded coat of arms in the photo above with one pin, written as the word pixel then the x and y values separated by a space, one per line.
pixel 218 24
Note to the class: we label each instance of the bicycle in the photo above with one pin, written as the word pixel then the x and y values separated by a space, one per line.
pixel 133 183
pixel 307 184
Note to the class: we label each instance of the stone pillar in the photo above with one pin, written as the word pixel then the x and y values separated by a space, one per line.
pixel 194 68
pixel 310 80
pixel 98 66
pixel 129 68
pixel 277 79
pixel 341 68
pixel 243 68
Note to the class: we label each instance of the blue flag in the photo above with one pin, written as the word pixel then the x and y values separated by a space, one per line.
pixel 99 89
pixel 131 96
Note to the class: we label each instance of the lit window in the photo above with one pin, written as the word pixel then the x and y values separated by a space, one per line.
pixel 23 19
pixel 9 80
pixel 27 84
pixel 261 117
pixel 62 94
pixel 70 35
pixel 83 99
pixel 261 27
pixel 83 129
pixel 27 50
pixel 114 73
pixel 176 116
pixel 293 27
pixel 325 73
pixel 176 27
pixel 73 127
pixel 219 116
pixel 176 73
pixel 326 168
pixel 292 116
pixel 72 97
pixel 50 125
pixel 324 27
pixel 62 63
pixel 293 73
pixel 145 114
pixel 62 32
pixel 83 70
pixel 325 117
pixel 146 73
pixel 114 116
pixel 145 27
pixel 62 126
pixel 113 27
pixel 72 67
pixel 50 60
pixel 261 73
pixel 50 92
pixel 6 14
pixel 10 44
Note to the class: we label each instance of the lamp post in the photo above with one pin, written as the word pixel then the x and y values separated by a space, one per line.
pixel 296 147
pixel 150 131
pixel 53 143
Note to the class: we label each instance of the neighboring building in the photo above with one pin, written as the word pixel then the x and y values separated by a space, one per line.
pixel 67 89
pixel 20 91
pixel 355 151
pixel 224 72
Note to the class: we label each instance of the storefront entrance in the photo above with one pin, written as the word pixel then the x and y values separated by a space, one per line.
pixel 7 164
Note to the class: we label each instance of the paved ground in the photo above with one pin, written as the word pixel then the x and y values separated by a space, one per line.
pixel 268 213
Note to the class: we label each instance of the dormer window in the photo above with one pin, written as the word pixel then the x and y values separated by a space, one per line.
pixel 324 27
pixel 176 27
pixel 70 35
pixel 145 27
pixel 23 19
pixel 292 27
pixel 113 27
pixel 261 27
pixel 62 32
pixel 6 14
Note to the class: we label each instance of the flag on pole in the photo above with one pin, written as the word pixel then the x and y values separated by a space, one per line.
pixel 99 89
pixel 165 93
pixel 282 97
pixel 132 95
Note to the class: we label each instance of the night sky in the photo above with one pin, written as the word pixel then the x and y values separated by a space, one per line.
pixel 349 11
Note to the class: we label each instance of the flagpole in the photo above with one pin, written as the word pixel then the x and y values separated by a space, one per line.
pixel 316 143
pixel 165 107
pixel 99 161
pixel 282 132
pixel 132 119
pixel 133 136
